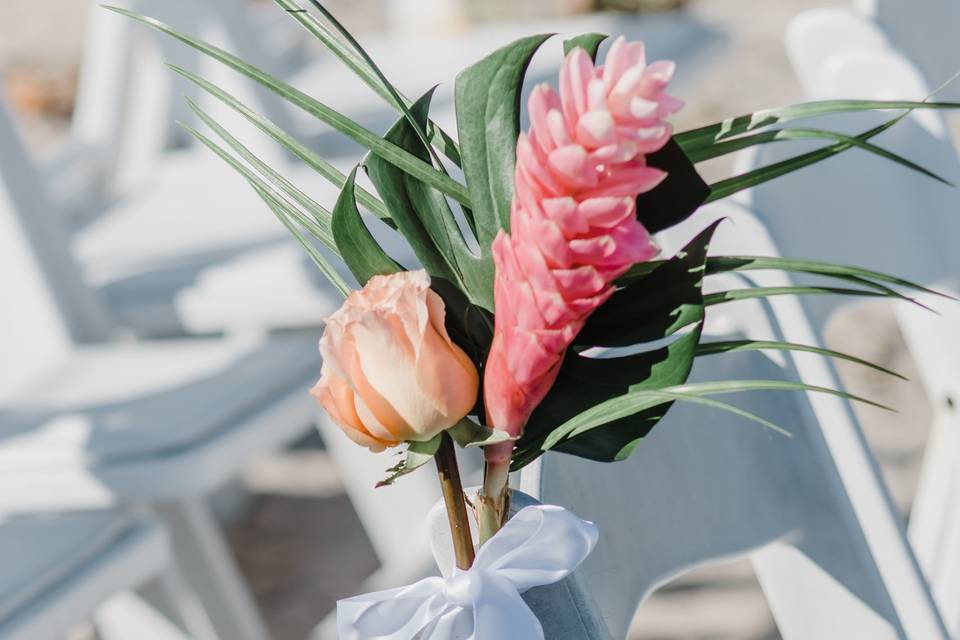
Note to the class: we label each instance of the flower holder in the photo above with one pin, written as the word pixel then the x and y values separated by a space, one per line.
pixel 565 609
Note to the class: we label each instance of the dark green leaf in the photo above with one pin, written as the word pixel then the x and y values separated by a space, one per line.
pixel 487 98
pixel 589 42
pixel 357 60
pixel 796 133
pixel 727 346
pixel 709 134
pixel 640 400
pixel 791 290
pixel 584 382
pixel 358 248
pixel 666 300
pixel 678 196
pixel 728 187
pixel 425 219
pixel 417 455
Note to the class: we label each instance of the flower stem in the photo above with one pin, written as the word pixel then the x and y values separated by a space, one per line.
pixel 455 502
pixel 493 502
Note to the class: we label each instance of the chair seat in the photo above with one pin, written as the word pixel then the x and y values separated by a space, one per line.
pixel 196 216
pixel 136 405
pixel 276 286
pixel 195 211
pixel 57 568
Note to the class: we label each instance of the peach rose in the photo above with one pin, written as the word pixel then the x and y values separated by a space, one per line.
pixel 390 371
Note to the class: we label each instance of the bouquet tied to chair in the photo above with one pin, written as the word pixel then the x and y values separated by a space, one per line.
pixel 542 315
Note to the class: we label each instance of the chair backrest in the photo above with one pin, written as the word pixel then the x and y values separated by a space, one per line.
pixel 925 32
pixel 838 30
pixel 228 24
pixel 128 101
pixel 706 486
pixel 44 303
pixel 104 72
pixel 856 207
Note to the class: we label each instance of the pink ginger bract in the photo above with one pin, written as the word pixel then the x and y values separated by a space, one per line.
pixel 573 222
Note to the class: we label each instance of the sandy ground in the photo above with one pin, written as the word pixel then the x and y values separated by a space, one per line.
pixel 299 542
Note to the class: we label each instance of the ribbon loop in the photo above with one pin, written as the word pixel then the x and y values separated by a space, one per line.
pixel 540 545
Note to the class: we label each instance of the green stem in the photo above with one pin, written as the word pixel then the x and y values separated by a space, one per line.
pixel 493 503
pixel 455 502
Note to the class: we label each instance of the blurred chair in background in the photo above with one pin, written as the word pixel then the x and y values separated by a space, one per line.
pixel 62 569
pixel 810 511
pixel 127 102
pixel 924 31
pixel 887 218
pixel 147 244
pixel 144 249
pixel 86 423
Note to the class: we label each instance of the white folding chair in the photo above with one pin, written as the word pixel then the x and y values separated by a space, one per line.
pixel 161 424
pixel 126 99
pixel 173 240
pixel 154 247
pixel 705 486
pixel 128 102
pixel 62 569
pixel 883 216
pixel 810 511
pixel 923 31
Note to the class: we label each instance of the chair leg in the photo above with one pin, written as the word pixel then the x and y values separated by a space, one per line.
pixel 826 584
pixel 808 602
pixel 205 562
pixel 126 616
pixel 935 518
pixel 171 596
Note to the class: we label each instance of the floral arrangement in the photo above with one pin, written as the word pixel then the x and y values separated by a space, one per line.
pixel 492 348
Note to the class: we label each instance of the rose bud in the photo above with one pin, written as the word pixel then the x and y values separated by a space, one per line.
pixel 390 371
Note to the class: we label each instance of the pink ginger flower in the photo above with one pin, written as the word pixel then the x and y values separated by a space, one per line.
pixel 573 223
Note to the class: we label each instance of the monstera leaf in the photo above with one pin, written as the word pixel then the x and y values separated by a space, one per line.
pixel 488 121
pixel 424 217
pixel 666 302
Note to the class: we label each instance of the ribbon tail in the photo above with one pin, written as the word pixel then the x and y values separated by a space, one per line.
pixel 499 612
pixel 397 614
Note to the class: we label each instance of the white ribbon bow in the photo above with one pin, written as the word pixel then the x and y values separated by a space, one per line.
pixel 540 545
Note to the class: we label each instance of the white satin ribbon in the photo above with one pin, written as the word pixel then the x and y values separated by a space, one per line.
pixel 540 545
